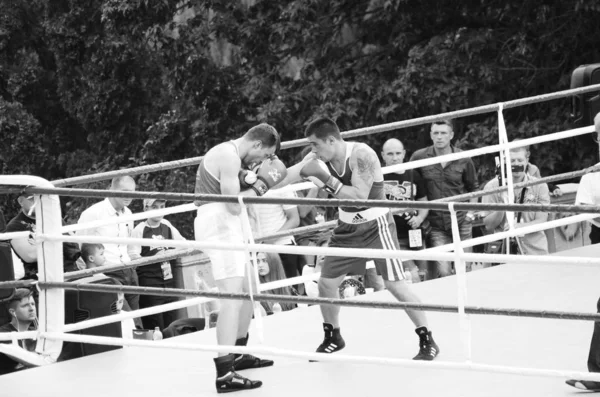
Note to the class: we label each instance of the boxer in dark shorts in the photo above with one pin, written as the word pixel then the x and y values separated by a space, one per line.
pixel 351 170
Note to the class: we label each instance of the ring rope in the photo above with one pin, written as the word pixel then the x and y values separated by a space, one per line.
pixel 340 358
pixel 124 315
pixel 498 148
pixel 369 253
pixel 480 310
pixel 347 134
pixel 190 207
pixel 333 202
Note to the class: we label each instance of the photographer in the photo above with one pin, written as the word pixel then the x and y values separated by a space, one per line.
pixel 495 221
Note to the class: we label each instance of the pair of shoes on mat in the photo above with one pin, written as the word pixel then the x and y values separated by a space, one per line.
pixel 584 384
pixel 333 342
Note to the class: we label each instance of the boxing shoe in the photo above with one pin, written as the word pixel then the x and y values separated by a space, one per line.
pixel 428 349
pixel 235 382
pixel 584 384
pixel 333 340
pixel 247 361
pixel 230 381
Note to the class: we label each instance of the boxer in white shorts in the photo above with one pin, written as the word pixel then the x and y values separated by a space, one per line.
pixel 225 170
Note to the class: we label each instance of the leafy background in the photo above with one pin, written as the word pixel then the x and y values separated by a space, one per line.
pixel 96 85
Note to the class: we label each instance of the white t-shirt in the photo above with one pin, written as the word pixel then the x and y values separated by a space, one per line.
pixel 588 191
pixel 271 217
pixel 115 253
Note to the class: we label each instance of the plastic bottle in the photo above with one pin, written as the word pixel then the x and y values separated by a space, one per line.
pixel 157 335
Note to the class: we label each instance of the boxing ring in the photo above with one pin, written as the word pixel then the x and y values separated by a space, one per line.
pixel 521 326
pixel 505 341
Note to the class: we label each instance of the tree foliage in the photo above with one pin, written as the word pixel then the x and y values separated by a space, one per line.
pixel 94 85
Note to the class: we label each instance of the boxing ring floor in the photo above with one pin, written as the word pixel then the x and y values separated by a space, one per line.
pixel 498 340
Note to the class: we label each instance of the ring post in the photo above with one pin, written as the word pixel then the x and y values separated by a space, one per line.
pixel 464 319
pixel 50 263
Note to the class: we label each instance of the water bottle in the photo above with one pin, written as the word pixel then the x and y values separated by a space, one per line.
pixel 157 335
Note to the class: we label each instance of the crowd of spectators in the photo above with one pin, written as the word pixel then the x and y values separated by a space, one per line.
pixel 416 230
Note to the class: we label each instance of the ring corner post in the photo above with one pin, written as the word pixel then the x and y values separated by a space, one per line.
pixel 50 269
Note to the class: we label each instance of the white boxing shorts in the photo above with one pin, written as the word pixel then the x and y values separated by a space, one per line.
pixel 214 223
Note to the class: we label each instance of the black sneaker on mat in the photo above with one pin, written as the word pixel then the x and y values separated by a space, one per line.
pixel 428 349
pixel 247 361
pixel 584 384
pixel 333 340
pixel 235 382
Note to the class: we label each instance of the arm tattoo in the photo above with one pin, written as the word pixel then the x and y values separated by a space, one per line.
pixel 366 166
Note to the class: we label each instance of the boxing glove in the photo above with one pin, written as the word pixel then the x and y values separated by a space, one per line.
pixel 316 171
pixel 247 179
pixel 270 172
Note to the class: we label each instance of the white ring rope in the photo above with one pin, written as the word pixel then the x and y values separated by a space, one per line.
pixel 368 253
pixel 338 357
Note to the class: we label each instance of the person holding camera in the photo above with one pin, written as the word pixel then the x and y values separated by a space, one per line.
pixel 534 243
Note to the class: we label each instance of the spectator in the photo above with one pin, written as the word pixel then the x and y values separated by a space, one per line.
pixel 270 269
pixel 406 186
pixel 534 243
pixel 534 171
pixel 25 248
pixel 21 308
pixel 116 254
pixel 446 180
pixel 157 274
pixel 127 325
pixel 93 255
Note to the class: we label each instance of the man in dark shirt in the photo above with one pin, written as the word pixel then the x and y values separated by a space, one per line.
pixel 406 186
pixel 446 180
pixel 21 308
pixel 25 247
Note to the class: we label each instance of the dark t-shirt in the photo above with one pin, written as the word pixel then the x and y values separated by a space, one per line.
pixel 408 186
pixel 7 364
pixel 153 274
pixel 23 223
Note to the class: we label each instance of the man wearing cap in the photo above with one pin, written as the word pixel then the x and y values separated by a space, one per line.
pixel 116 254
pixel 157 274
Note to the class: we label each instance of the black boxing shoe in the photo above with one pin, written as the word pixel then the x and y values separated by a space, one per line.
pixel 228 380
pixel 428 349
pixel 235 382
pixel 247 361
pixel 332 341
pixel 584 385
